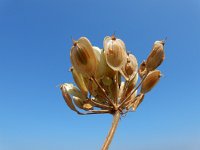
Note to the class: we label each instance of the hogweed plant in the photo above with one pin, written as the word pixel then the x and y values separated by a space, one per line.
pixel 107 78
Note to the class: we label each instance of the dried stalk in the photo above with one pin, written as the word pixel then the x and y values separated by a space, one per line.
pixel 111 133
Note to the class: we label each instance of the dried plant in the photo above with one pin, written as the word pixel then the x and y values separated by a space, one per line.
pixel 107 78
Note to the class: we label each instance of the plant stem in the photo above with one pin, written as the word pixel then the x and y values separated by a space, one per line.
pixel 111 133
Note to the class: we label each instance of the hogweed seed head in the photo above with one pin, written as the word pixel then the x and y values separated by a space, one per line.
pixel 107 78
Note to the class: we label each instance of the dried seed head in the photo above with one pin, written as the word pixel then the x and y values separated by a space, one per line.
pixel 142 70
pixel 150 81
pixel 130 67
pixel 139 98
pixel 83 58
pixel 78 78
pixel 156 56
pixel 115 52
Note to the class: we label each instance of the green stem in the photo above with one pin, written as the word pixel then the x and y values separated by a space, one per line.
pixel 111 133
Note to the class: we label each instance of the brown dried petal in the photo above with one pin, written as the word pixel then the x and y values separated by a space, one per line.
pixel 150 81
pixel 156 56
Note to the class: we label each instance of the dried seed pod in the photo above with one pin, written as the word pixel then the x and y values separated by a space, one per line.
pixel 82 104
pixel 156 56
pixel 78 78
pixel 138 99
pixel 115 52
pixel 102 68
pixel 78 102
pixel 72 90
pixel 131 99
pixel 150 81
pixel 132 84
pixel 67 98
pixel 83 58
pixel 130 68
pixel 142 70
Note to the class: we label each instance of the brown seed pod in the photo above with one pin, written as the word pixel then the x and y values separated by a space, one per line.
pixel 156 56
pixel 115 52
pixel 102 68
pixel 83 58
pixel 150 81
pixel 138 99
pixel 78 102
pixel 129 69
pixel 67 98
pixel 142 69
pixel 78 78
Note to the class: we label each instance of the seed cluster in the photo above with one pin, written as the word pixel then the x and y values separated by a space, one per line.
pixel 107 78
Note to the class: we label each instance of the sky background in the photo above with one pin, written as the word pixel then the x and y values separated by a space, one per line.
pixel 35 41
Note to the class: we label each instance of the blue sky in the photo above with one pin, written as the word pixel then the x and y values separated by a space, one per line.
pixel 34 57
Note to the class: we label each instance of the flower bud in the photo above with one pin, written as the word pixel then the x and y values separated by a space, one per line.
pixel 83 58
pixel 156 56
pixel 150 81
pixel 115 52
pixel 130 68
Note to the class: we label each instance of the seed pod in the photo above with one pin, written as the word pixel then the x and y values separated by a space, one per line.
pixel 83 58
pixel 130 68
pixel 150 81
pixel 142 70
pixel 67 98
pixel 138 99
pixel 132 84
pixel 78 102
pixel 102 68
pixel 115 52
pixel 72 90
pixel 78 78
pixel 156 56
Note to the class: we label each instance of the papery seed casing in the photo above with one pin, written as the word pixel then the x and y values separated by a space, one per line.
pixel 129 69
pixel 150 81
pixel 78 78
pixel 115 52
pixel 156 56
pixel 83 58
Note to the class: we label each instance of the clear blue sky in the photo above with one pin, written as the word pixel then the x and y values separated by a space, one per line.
pixel 34 58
